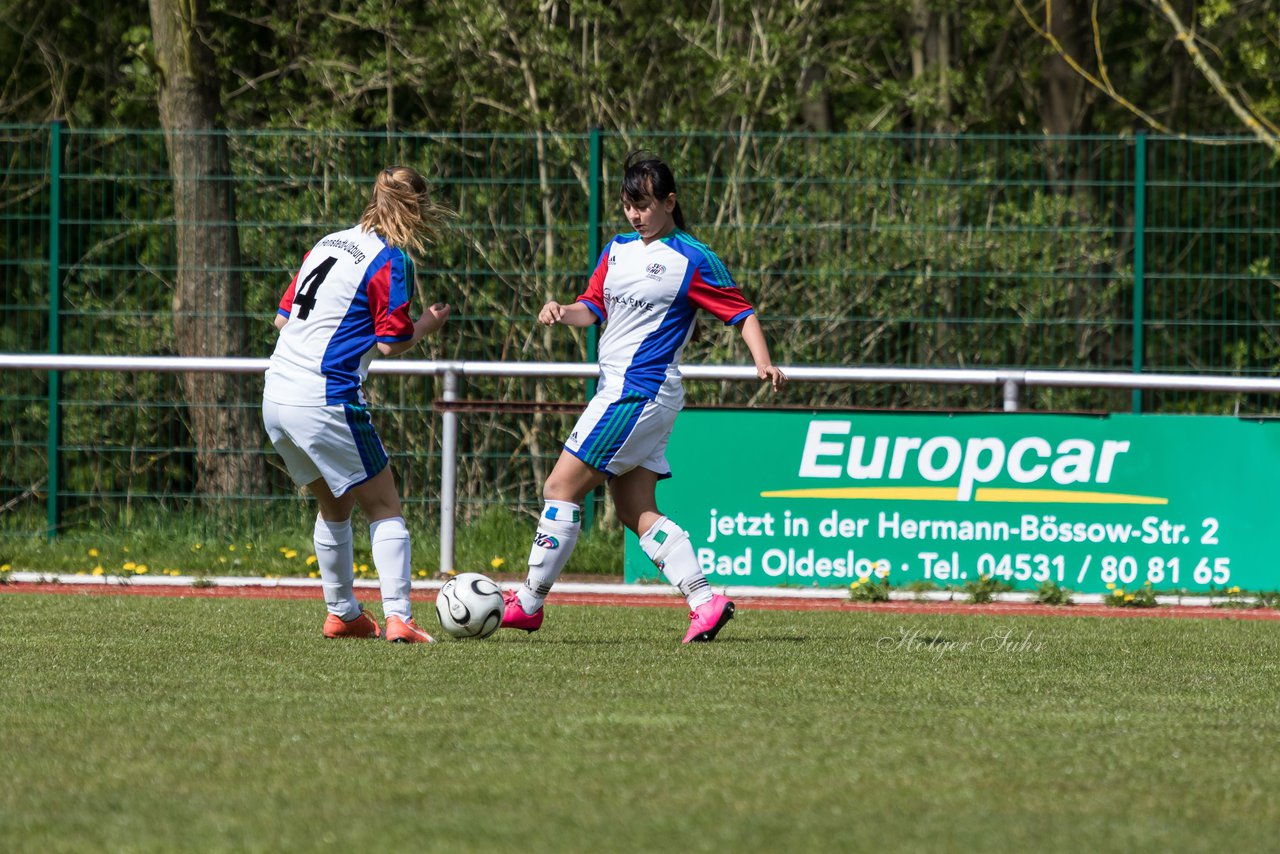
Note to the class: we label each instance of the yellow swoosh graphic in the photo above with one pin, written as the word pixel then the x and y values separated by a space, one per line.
pixel 948 493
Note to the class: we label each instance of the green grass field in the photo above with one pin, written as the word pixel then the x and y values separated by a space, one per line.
pixel 147 724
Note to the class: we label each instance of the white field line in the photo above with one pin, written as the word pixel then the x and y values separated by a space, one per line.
pixel 601 588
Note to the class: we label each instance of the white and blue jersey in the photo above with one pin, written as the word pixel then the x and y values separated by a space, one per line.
pixel 648 297
pixel 353 291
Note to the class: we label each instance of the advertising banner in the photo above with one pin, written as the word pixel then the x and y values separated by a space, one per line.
pixel 823 499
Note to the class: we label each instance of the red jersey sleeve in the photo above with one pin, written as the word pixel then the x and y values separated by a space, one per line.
pixel 594 294
pixel 389 291
pixel 713 289
pixel 286 301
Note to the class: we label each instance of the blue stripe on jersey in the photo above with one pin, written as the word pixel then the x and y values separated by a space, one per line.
pixel 402 275
pixel 648 369
pixel 351 340
pixel 718 273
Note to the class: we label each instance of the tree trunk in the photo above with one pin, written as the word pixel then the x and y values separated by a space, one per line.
pixel 207 301
pixel 1062 104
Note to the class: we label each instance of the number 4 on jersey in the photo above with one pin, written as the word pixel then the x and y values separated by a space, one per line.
pixel 305 299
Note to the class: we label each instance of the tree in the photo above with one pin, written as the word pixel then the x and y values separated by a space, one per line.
pixel 207 304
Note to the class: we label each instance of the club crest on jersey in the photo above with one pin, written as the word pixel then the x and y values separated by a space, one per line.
pixel 546 541
pixel 655 271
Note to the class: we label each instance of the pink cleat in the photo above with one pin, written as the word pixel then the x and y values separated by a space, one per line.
pixel 708 619
pixel 515 616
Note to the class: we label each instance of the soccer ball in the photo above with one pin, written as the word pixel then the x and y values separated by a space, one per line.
pixel 470 606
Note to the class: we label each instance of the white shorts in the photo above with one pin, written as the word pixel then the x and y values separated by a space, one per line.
pixel 617 433
pixel 335 442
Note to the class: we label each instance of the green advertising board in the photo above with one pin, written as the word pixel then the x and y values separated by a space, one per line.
pixel 824 499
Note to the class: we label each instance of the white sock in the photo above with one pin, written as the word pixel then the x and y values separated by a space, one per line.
pixel 333 557
pixel 389 539
pixel 558 529
pixel 668 546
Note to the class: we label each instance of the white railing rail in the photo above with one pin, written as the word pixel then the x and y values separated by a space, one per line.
pixel 1012 381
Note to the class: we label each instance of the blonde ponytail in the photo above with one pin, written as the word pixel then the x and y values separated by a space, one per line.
pixel 401 209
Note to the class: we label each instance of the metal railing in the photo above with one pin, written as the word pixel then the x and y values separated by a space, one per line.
pixel 1011 382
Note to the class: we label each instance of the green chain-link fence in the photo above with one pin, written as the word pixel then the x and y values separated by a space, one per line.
pixel 1134 253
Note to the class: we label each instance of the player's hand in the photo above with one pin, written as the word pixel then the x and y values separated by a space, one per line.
pixel 434 318
pixel 773 374
pixel 551 313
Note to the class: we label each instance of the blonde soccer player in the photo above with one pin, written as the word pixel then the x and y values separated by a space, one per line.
pixel 350 301
pixel 647 288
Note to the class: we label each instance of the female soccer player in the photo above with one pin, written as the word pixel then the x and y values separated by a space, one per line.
pixel 349 301
pixel 646 289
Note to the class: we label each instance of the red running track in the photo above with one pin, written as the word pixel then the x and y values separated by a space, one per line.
pixel 1002 609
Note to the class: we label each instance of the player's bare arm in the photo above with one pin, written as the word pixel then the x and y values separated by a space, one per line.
pixel 753 337
pixel 574 314
pixel 429 323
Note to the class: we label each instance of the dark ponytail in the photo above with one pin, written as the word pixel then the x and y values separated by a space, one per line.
pixel 645 175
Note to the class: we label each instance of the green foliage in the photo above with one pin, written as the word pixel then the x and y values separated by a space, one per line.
pixel 277 543
pixel 471 66
pixel 920 586
pixel 1051 593
pixel 1141 597
pixel 1234 597
pixel 871 589
pixel 983 589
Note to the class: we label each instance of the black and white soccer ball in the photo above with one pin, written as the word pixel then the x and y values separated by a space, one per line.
pixel 470 605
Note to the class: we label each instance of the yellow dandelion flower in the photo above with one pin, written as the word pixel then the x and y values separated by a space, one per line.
pixel 1111 585
pixel 98 570
pixel 1129 598
pixel 1119 593
pixel 497 562
pixel 126 549
pixel 290 554
pixel 313 575
pixel 248 547
pixel 130 565
pixel 283 549
pixel 197 547
pixel 311 560
pixel 6 567
pixel 1234 590
pixel 221 559
pixel 231 547
pixel 364 567
pixel 93 552
pixel 140 569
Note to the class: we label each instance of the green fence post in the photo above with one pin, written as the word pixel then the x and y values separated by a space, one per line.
pixel 1139 255
pixel 593 234
pixel 55 329
pixel 593 252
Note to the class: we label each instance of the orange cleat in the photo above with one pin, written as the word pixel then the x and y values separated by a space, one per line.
pixel 362 626
pixel 406 631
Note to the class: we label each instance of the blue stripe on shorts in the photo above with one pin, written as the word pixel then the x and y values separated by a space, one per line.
pixel 611 431
pixel 372 455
